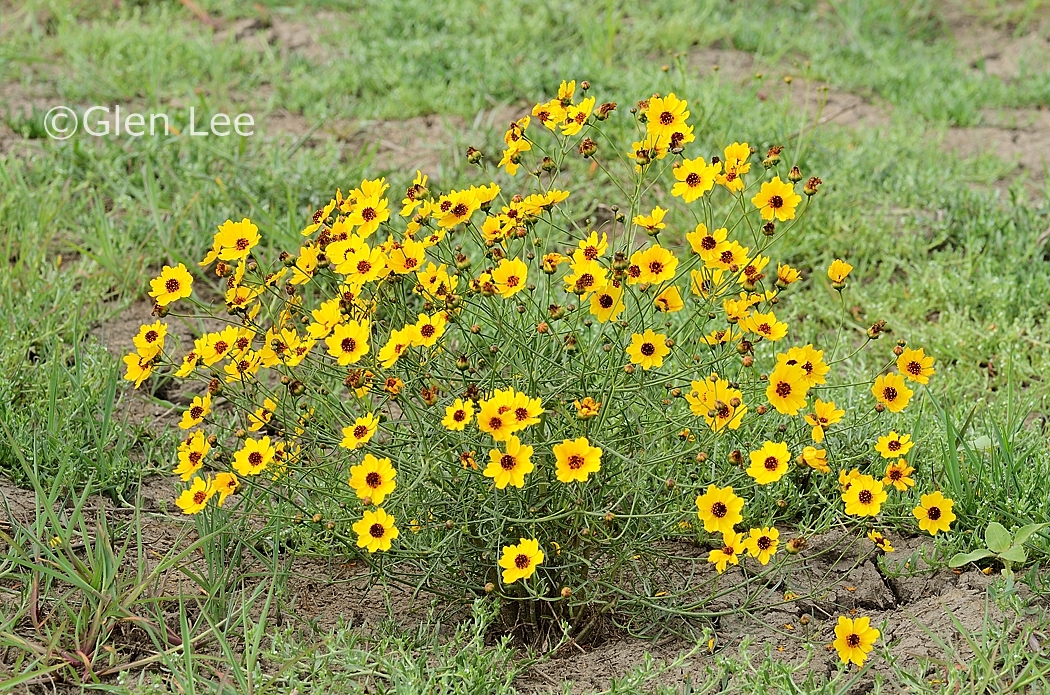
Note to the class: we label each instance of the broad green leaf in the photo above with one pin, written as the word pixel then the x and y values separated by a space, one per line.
pixel 998 538
pixel 1015 554
pixel 1026 532
pixel 960 559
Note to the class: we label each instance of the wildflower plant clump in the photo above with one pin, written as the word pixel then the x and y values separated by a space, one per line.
pixel 480 391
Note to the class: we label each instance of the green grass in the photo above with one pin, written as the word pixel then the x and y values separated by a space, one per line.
pixel 948 262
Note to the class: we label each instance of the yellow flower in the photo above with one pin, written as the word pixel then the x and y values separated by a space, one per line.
pixel 199 409
pixel 457 207
pixel 880 541
pixel 405 257
pixel 706 281
pixel 837 272
pixel 196 497
pixel 586 276
pixel 934 513
pixel 368 214
pixel 458 415
pixel 823 416
pixel 376 530
pixel 894 445
pixel 511 466
pixel 495 418
pixel 607 302
pixel 777 199
pixel 225 484
pixel 576 460
pixel 245 364
pixel 770 463
pixel 864 496
pixel 520 561
pixel 816 458
pixel 653 222
pixel 811 360
pixel 354 259
pixel 305 265
pixel 764 325
pixel 348 342
pixel 587 408
pixel 430 328
pixel 695 177
pixel 648 349
pixel 729 255
pixel 665 116
pixel 191 455
pixel 786 275
pixel 898 474
pixel 591 248
pixel 576 116
pixel 854 639
pixel 916 366
pixel 762 543
pixel 510 277
pixel 718 403
pixel 736 156
pixel 262 416
pixel 892 391
pixel 669 301
pixel 253 457
pixel 551 114
pixel 732 544
pixel 787 388
pixel 235 240
pixel 719 509
pixel 326 317
pixel 150 340
pixel 373 479
pixel 396 345
pixel 139 368
pixel 361 432
pixel 846 479
pixel 172 284
pixel 708 245
pixel 654 264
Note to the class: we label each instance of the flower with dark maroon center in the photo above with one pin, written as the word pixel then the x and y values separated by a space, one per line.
pixel 199 496
pixel 151 336
pixel 359 432
pixel 730 176
pixel 427 330
pixel 764 328
pixel 496 423
pixel 708 243
pixel 507 462
pixel 255 459
pixel 808 366
pixel 242 244
pixel 895 474
pixel 634 271
pixel 512 281
pixel 460 210
pixel 521 561
pixel 893 445
pixel 726 257
pixel 586 280
pixel 667 118
pixel 771 463
pixel 521 414
pixel 373 480
pixel 376 530
pixel 460 415
pixel 776 202
pixel 590 253
pixel 364 267
pixel 656 267
pixel 348 345
pixel 648 349
pixel 764 542
pixel 172 285
pixel 369 214
pixel 605 301
pixel 853 641
pixel 242 343
pixel 914 368
pixel 933 513
pixel 576 462
pixel 719 510
pixel 889 393
pixel 865 497
pixel 783 389
pixel 195 457
pixel 196 412
pixel 445 205
pixel 221 346
pixel 692 180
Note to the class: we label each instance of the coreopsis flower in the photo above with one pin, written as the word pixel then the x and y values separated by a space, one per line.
pixel 811 360
pixel 586 276
pixel 191 359
pixel 669 301
pixel 576 459
pixel 591 248
pixel 526 411
pixel 824 415
pixel 399 341
pixel 405 257
pixel 466 459
pixel 777 199
pixel 764 325
pixel 373 479
pixel 576 116
pixel 719 508
pixel 733 543
pixel 648 349
pixel 770 463
pixel 376 530
pixel 653 222
pixel 516 144
pixel 233 242
pixel 458 415
pixel 430 328
pixel 816 458
pixel 587 408
pixel 694 178
pixel 607 302
pixel 195 498
pixel 892 391
pixel 191 454
pixel 435 281
pixel 551 114
pixel 520 561
pixel 218 346
pixel 846 478
pixel 262 415
pixel 864 496
pixel 360 433
pixel 837 273
pixel 150 339
pixel 253 457
pixel 646 150
pixel 898 474
pixel 456 208
pixel 707 244
pixel 369 212
pixel 356 260
pixel 653 265
pixel 225 484
pixel 894 445
pixel 934 513
pixel 199 409
pixel 717 402
pixel 325 318
pixel 348 342
pixel 730 256
pixel 916 366
pixel 138 368
pixel 172 284
pixel 242 365
pixel 415 194
pixel 306 264
pixel 509 467
pixel 393 385
pixel 761 543
pixel 854 638
pixel 787 388
pixel 565 92
pixel 705 282
pixel 786 275
pixel 510 277
pixel 880 541
pixel 735 164
pixel 722 336
pixel 666 116
pixel 495 418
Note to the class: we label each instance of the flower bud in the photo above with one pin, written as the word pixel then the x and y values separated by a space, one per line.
pixel 811 186
pixel 566 592
pixel 877 329
pixel 748 360
pixel 555 312
pixel 474 155
pixel 736 458
pixel 795 545
pixel 587 148
pixel 462 363
pixel 794 176
pixel 604 111
pixel 548 165
pixel 769 229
